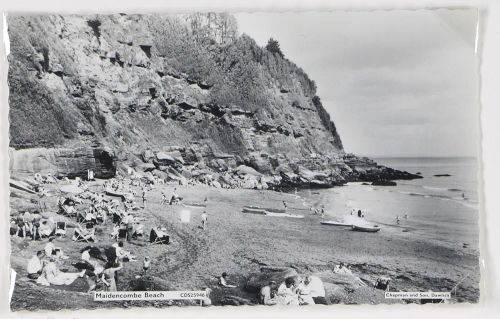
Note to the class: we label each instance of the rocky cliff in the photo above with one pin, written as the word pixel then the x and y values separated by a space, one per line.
pixel 184 95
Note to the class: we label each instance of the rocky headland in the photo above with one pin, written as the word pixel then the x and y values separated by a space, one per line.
pixel 183 97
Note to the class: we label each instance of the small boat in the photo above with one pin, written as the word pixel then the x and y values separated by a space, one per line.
pixel 261 209
pixel 194 205
pixel 366 229
pixel 334 223
pixel 110 192
pixel 272 214
pixel 258 211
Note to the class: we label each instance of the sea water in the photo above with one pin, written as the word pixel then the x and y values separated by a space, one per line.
pixel 443 209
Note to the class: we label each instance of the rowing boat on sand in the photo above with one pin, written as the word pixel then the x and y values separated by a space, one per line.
pixel 366 229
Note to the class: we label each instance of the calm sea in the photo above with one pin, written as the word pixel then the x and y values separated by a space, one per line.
pixel 443 209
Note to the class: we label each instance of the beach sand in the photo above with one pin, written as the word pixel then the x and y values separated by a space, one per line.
pixel 240 244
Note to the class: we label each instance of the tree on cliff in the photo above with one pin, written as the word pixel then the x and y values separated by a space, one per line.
pixel 274 47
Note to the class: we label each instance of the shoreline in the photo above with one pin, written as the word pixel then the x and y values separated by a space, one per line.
pixel 241 244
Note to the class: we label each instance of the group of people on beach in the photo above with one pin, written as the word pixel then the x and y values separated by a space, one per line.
pixel 308 290
pixel 102 211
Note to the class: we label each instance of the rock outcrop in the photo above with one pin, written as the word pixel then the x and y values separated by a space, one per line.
pixel 62 162
pixel 162 96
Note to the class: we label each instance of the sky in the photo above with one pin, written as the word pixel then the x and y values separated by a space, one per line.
pixel 395 82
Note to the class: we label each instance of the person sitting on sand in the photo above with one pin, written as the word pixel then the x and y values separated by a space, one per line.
pixel 35 265
pixel 121 253
pixel 342 269
pixel 204 218
pixel 314 286
pixel 46 229
pixel 175 197
pixel 304 293
pixel 90 216
pixel 52 250
pixel 266 294
pixel 223 281
pixel 286 294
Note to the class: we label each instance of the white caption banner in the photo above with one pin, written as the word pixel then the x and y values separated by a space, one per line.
pixel 149 295
pixel 417 295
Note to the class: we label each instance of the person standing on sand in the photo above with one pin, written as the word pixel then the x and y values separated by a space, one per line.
pixel 322 211
pixel 359 213
pixel 397 219
pixel 163 198
pixel 204 218
pixel 108 276
pixel 144 197
pixel 285 205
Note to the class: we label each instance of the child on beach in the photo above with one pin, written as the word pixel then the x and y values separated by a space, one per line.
pixel 146 264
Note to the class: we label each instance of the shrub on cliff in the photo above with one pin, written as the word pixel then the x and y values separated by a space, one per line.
pixel 274 47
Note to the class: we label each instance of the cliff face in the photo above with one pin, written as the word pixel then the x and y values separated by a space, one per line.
pixel 183 93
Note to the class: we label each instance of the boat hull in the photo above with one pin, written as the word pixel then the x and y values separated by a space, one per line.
pixel 366 229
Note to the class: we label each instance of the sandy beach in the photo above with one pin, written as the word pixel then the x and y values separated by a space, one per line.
pixel 240 244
